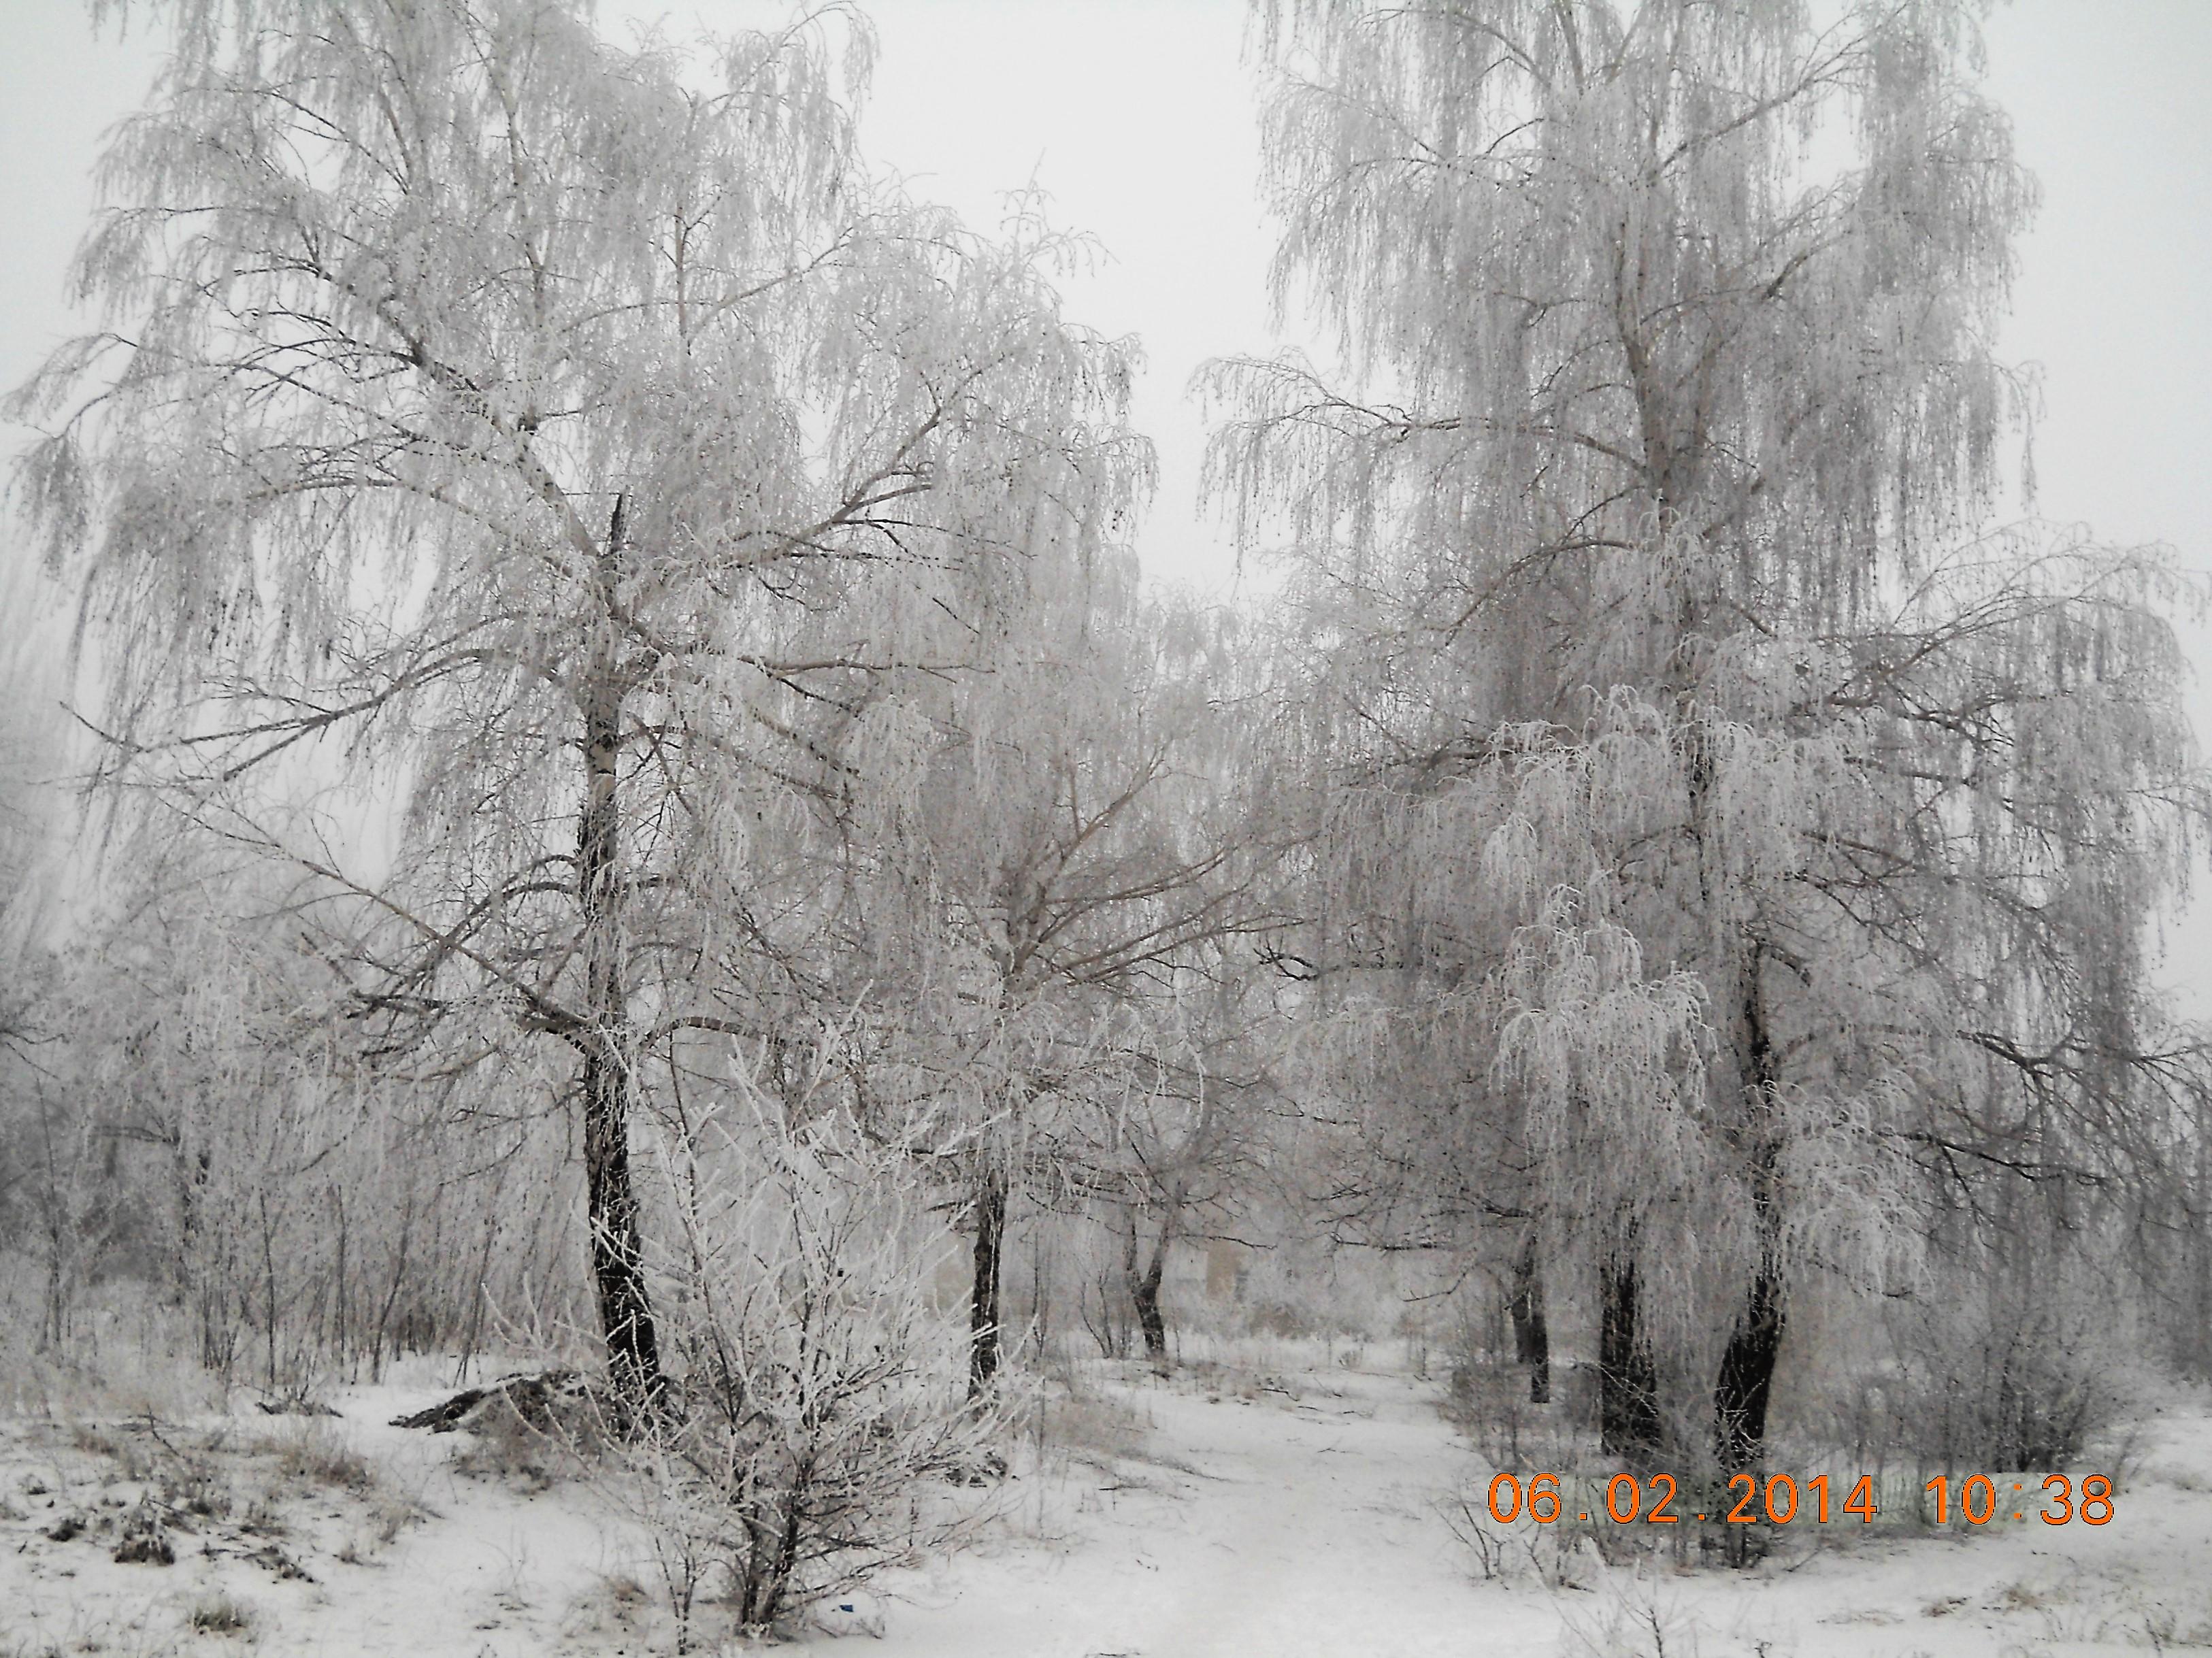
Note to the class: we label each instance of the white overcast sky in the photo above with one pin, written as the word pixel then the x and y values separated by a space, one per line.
pixel 1137 117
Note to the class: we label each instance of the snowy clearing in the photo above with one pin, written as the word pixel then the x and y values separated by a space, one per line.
pixel 1213 1513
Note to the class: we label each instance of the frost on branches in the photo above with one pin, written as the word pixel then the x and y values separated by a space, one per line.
pixel 580 433
pixel 1767 839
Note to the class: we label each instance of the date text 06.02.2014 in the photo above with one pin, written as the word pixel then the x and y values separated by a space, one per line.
pixel 1656 1499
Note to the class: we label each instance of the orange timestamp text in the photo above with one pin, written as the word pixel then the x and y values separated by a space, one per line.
pixel 1779 1499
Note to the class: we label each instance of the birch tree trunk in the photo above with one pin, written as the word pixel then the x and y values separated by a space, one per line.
pixel 984 1339
pixel 1532 1332
pixel 1145 1297
pixel 1628 1377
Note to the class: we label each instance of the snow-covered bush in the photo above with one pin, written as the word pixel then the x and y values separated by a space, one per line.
pixel 816 1428
pixel 1486 1398
pixel 2030 1373
pixel 1631 1615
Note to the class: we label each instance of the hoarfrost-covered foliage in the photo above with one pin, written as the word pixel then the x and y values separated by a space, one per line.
pixel 1061 876
pixel 622 684
pixel 1766 819
pixel 581 433
pixel 820 1395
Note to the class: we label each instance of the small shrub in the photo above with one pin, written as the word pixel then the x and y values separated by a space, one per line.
pixel 1631 1615
pixel 502 1445
pixel 1090 1426
pixel 1279 1319
pixel 319 1457
pixel 220 1614
pixel 388 1516
pixel 1559 1555
pixel 264 1516
pixel 817 1424
pixel 2013 1378
pixel 145 1539
pixel 1487 1400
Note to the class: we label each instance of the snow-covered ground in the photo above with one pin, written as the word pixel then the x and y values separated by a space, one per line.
pixel 1215 1513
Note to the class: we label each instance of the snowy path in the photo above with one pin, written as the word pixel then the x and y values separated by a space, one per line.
pixel 1271 1530
pixel 1276 1531
pixel 1319 1539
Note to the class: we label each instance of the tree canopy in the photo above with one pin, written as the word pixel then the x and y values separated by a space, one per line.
pixel 583 430
pixel 1683 839
pixel 1767 809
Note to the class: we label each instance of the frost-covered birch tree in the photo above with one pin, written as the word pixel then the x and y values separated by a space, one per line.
pixel 1056 870
pixel 560 437
pixel 1743 801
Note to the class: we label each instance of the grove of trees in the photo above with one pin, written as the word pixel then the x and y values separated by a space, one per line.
pixel 1789 836
pixel 637 803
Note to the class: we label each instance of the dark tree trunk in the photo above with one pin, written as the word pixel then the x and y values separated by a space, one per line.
pixel 1532 1330
pixel 983 1319
pixel 1745 1382
pixel 1628 1377
pixel 606 1043
pixel 1145 1283
pixel 1747 1376
pixel 617 1251
pixel 1144 1294
pixel 195 1284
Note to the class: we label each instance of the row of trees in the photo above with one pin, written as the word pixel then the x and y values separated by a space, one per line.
pixel 718 561
pixel 1745 850
pixel 1661 833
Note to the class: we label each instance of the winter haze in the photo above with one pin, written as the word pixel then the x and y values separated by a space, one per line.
pixel 798 890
